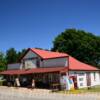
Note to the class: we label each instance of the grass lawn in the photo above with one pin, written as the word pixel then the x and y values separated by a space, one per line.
pixel 95 89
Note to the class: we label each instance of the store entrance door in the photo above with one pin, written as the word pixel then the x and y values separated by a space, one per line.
pixel 88 78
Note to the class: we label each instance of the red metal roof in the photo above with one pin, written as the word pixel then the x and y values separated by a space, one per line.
pixel 74 64
pixel 47 70
pixel 48 54
pixel 13 72
pixel 35 70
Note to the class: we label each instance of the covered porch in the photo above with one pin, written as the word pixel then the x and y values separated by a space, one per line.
pixel 47 78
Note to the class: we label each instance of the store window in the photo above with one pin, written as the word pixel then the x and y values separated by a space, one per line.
pixel 81 74
pixel 81 79
pixel 81 84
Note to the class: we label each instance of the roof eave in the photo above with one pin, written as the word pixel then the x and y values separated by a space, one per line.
pixel 83 70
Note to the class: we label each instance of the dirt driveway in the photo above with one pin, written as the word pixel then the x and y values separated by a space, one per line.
pixel 8 93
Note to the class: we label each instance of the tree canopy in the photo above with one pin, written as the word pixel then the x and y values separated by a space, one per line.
pixel 80 44
pixel 2 61
pixel 11 56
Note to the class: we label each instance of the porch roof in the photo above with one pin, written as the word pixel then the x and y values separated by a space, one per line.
pixel 12 72
pixel 35 70
pixel 74 64
pixel 48 70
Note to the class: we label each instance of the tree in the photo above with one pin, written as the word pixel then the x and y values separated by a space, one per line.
pixel 11 56
pixel 21 53
pixel 80 44
pixel 2 61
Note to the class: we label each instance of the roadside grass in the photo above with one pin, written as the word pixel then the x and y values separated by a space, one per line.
pixel 95 89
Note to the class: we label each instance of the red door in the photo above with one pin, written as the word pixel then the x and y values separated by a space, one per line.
pixel 75 81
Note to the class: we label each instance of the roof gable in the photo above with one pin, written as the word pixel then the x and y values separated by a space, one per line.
pixel 48 54
pixel 29 54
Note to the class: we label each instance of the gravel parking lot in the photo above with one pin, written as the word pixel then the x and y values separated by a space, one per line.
pixel 7 93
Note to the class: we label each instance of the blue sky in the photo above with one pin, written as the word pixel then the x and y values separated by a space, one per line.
pixel 35 23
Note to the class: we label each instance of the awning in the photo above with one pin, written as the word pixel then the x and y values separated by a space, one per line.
pixel 13 72
pixel 47 70
pixel 35 70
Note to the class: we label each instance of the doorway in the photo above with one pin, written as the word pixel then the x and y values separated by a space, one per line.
pixel 88 78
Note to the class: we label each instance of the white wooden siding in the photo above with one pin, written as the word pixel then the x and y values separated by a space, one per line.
pixel 14 66
pixel 96 80
pixel 57 62
pixel 83 83
pixel 31 63
pixel 30 54
pixel 82 75
pixel 93 82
